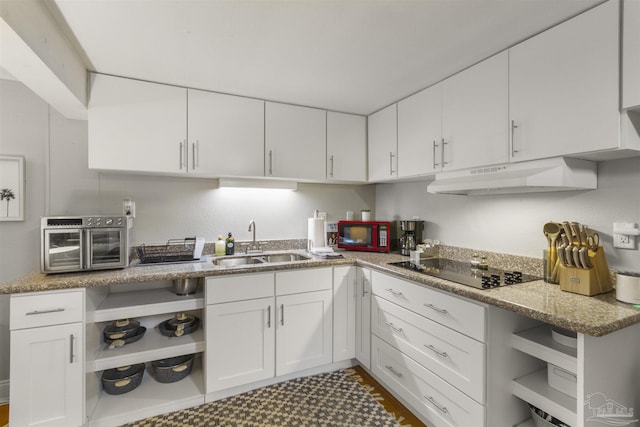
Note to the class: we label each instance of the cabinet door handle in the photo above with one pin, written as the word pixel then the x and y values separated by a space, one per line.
pixel 72 353
pixel 52 310
pixel 396 293
pixel 331 170
pixel 514 126
pixel 436 351
pixel 269 317
pixel 364 288
pixel 439 310
pixel 395 328
pixel 393 371
pixel 435 164
pixel 441 408
pixel 270 162
pixel 282 314
pixel 181 154
pixel 443 146
pixel 195 155
pixel 391 156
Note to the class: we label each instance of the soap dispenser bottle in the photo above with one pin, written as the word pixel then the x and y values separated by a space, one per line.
pixel 230 245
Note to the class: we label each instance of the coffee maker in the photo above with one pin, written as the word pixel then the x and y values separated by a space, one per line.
pixel 411 235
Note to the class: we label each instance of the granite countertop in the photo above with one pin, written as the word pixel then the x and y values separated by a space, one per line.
pixel 596 316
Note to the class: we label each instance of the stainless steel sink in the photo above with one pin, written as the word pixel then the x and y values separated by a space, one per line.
pixel 237 261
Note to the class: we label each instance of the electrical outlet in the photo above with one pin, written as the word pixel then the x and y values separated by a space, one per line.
pixel 623 241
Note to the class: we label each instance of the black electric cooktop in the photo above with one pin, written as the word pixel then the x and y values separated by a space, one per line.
pixel 463 273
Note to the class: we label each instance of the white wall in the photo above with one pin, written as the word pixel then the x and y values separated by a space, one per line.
pixel 59 183
pixel 513 223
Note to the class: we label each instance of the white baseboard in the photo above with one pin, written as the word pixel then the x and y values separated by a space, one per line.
pixel 4 391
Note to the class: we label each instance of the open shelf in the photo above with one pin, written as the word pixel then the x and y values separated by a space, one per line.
pixel 533 388
pixel 122 305
pixel 152 346
pixel 149 399
pixel 538 343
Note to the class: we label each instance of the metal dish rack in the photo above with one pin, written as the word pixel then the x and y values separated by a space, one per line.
pixel 174 250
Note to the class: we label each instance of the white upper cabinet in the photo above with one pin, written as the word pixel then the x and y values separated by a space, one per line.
pixel 295 142
pixel 226 134
pixel 631 55
pixel 137 126
pixel 346 147
pixel 564 87
pixel 420 133
pixel 383 144
pixel 475 114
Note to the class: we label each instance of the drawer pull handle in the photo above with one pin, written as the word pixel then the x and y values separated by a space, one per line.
pixel 282 314
pixel 53 310
pixel 436 351
pixel 72 350
pixel 439 310
pixel 393 371
pixel 397 293
pixel 441 408
pixel 395 328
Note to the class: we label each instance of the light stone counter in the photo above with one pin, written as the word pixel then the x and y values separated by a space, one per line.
pixel 596 316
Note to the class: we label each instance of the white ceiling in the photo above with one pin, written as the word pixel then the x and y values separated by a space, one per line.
pixel 346 55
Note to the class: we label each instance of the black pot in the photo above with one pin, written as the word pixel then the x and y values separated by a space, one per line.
pixel 120 342
pixel 121 329
pixel 179 325
pixel 172 369
pixel 122 380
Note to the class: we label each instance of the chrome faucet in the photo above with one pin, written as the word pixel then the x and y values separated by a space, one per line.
pixel 253 247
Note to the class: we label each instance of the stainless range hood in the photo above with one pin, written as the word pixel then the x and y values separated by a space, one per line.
pixel 556 174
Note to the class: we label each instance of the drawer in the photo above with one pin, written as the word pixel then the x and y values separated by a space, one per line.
pixel 239 288
pixel 454 312
pixel 307 280
pixel 454 357
pixel 33 310
pixel 438 402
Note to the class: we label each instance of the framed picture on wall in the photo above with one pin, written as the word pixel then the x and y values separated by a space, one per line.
pixel 12 188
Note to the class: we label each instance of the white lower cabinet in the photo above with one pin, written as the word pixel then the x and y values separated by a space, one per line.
pixel 435 399
pixel 363 317
pixel 247 330
pixel 344 312
pixel 47 359
pixel 267 324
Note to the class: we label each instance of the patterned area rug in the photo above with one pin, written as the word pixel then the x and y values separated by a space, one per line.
pixel 333 399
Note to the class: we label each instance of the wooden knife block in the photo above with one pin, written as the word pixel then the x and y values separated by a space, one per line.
pixel 592 281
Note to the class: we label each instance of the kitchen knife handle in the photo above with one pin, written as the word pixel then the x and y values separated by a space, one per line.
pixel 514 126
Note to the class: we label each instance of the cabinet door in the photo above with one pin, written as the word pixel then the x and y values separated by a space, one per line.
pixel 240 343
pixel 564 87
pixel 631 55
pixel 344 313
pixel 383 144
pixel 346 147
pixel 304 331
pixel 363 317
pixel 475 115
pixel 226 134
pixel 295 142
pixel 47 376
pixel 420 133
pixel 137 126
